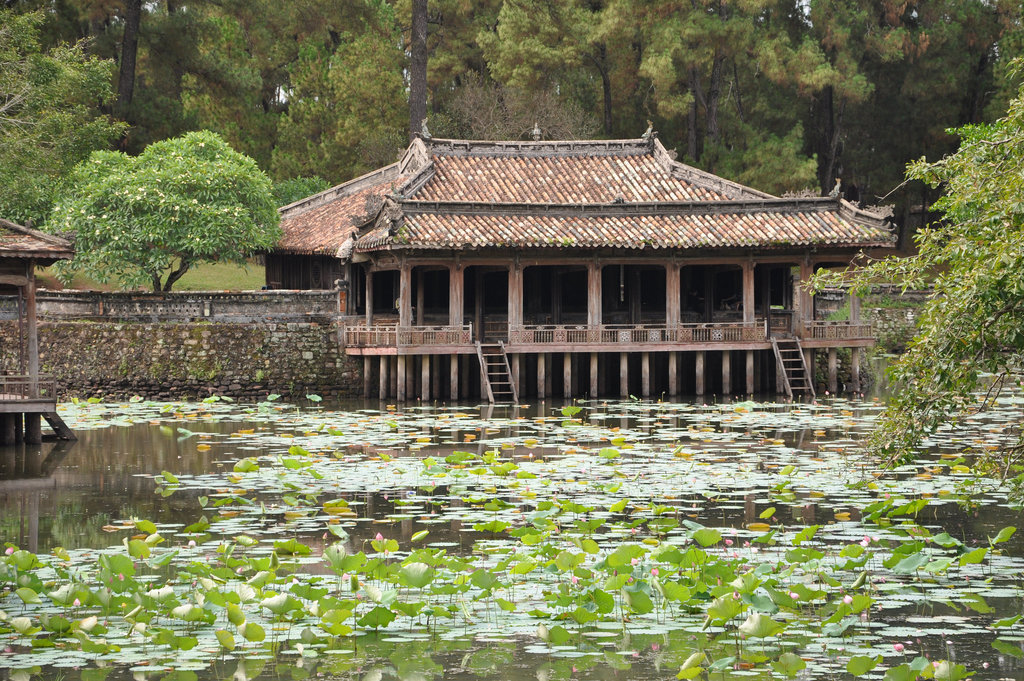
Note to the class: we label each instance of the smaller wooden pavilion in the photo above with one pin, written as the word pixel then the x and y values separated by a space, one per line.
pixel 26 396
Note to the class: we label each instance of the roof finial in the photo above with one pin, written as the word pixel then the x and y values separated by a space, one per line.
pixel 536 132
pixel 648 132
pixel 834 194
pixel 424 131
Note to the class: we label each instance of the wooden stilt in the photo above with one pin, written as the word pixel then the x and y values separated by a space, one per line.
pixel 19 429
pixel 541 376
pixel 673 373
pixel 514 366
pixel 593 375
pixel 809 359
pixel 382 378
pixel 855 369
pixel 367 376
pixel 726 372
pixel 410 377
pixel 549 375
pixel 393 377
pixel 33 429
pixel 6 429
pixel 750 372
pixel 699 371
pixel 453 377
pixel 833 370
pixel 623 374
pixel 435 376
pixel 402 379
pixel 645 374
pixel 567 374
pixel 425 378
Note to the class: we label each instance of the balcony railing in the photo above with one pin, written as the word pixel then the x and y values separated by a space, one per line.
pixel 837 331
pixel 632 334
pixel 394 336
pixel 20 387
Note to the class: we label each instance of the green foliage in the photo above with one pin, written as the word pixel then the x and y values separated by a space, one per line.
pixel 182 201
pixel 971 331
pixel 296 188
pixel 49 115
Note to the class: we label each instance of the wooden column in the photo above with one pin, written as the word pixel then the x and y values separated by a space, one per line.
pixel 833 370
pixel 19 430
pixel 410 377
pixel 854 307
pixel 748 292
pixel 556 295
pixel 384 383
pixel 401 378
pixel 367 376
pixel 453 377
pixel 33 336
pixel 567 374
pixel 478 304
pixel 726 372
pixel 750 372
pixel 455 295
pixel 593 298
pixel 425 378
pixel 672 305
pixel 542 376
pixel 673 373
pixel 420 296
pixel 515 296
pixel 645 374
pixel 593 375
pixel 855 369
pixel 623 374
pixel 393 377
pixel 7 429
pixel 514 367
pixel 435 376
pixel 405 296
pixel 809 360
pixel 369 298
pixel 699 371
pixel 33 429
pixel 634 293
pixel 806 300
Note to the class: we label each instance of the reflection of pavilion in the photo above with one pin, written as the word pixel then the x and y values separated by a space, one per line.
pixel 26 472
pixel 26 396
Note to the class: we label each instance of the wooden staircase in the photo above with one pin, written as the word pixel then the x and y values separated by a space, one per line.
pixel 495 373
pixel 796 378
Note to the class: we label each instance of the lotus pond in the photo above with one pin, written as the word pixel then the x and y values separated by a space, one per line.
pixel 603 540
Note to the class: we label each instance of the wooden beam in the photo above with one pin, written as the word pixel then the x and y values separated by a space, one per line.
pixel 367 376
pixel 514 367
pixel 393 377
pixel 369 298
pixel 7 429
pixel 435 375
pixel 515 295
pixel 33 333
pixel 405 295
pixel 33 429
pixel 420 297
pixel 13 280
pixel 401 378
pixel 425 378
pixel 383 382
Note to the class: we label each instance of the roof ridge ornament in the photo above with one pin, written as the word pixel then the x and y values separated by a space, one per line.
pixel 536 133
pixel 649 132
pixel 834 194
pixel 424 131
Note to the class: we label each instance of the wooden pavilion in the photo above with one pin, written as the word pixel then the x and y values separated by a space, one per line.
pixel 571 268
pixel 26 396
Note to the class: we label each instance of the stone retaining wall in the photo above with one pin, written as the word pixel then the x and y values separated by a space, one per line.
pixel 190 360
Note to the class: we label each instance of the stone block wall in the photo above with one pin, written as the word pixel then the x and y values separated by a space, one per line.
pixel 190 360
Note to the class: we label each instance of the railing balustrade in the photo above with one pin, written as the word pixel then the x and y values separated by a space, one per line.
pixel 21 387
pixel 397 336
pixel 837 331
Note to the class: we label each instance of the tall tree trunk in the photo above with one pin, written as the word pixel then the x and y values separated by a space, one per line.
pixel 418 68
pixel 826 132
pixel 692 152
pixel 129 52
pixel 714 135
pixel 606 87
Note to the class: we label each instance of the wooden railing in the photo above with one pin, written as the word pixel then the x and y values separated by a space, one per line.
pixel 837 331
pixel 20 387
pixel 631 334
pixel 397 336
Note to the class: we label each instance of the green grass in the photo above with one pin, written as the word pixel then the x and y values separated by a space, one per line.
pixel 204 277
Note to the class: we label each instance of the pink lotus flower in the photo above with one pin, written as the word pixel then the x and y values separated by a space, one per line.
pixel 10 550
pixel 654 571
pixel 379 537
pixel 898 647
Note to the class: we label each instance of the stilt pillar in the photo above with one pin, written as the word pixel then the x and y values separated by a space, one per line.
pixel 369 298
pixel 855 369
pixel 455 295
pixel 726 372
pixel 673 373
pixel 367 376
pixel 593 375
pixel 645 374
pixel 393 377
pixel 453 377
pixel 514 366
pixel 425 378
pixel 567 374
pixel 400 375
pixel 542 376
pixel 436 371
pixel 7 429
pixel 623 374
pixel 382 379
pixel 33 429
pixel 405 296
pixel 833 370
pixel 750 372
pixel 699 371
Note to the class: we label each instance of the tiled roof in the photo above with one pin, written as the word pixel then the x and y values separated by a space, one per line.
pixel 323 223
pixel 21 242
pixel 767 224
pixel 558 179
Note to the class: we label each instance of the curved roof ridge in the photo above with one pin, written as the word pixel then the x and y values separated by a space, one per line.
pixel 347 188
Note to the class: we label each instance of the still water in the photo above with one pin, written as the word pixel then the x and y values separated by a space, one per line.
pixel 517 516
